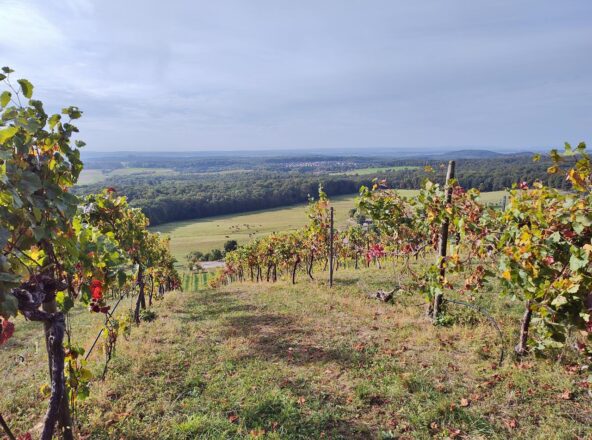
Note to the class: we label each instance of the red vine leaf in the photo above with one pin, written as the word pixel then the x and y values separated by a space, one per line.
pixel 6 331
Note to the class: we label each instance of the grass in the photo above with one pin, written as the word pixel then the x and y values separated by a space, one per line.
pixel 92 176
pixel 211 233
pixel 277 361
pixel 142 172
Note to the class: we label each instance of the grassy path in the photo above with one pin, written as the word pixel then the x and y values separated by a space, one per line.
pixel 279 361
pixel 302 362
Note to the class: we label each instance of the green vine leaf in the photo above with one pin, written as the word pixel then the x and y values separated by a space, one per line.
pixel 7 134
pixel 26 87
pixel 5 98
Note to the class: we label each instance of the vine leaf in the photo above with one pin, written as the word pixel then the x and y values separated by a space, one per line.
pixel 5 98
pixel 26 87
pixel 7 134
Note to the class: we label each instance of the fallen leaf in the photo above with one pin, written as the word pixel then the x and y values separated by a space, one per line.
pixel 360 346
pixel 511 424
pixel 393 423
pixel 257 433
pixel 455 433
pixel 465 402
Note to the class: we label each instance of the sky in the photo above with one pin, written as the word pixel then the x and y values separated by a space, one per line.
pixel 278 74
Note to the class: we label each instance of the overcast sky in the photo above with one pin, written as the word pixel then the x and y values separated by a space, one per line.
pixel 254 74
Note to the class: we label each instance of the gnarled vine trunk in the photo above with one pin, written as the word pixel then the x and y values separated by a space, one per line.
pixel 151 290
pixel 522 346
pixel 294 269
pixel 64 417
pixel 141 301
pixel 39 292
pixel 309 268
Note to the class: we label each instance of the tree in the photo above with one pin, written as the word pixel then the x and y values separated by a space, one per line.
pixel 230 245
pixel 216 254
pixel 193 260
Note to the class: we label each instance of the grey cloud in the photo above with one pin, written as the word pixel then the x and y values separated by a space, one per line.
pixel 266 74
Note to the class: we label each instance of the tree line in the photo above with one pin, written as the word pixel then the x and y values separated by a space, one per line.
pixel 166 199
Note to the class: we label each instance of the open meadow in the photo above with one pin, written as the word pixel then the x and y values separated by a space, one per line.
pixel 93 176
pixel 211 233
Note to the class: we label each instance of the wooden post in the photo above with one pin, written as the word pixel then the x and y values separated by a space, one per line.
pixel 6 428
pixel 504 203
pixel 331 251
pixel 443 240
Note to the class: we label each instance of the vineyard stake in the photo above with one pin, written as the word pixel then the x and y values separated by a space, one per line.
pixel 331 251
pixel 443 240
pixel 101 331
pixel 6 428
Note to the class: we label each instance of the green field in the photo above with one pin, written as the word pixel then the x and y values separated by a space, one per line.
pixel 375 170
pixel 92 176
pixel 210 233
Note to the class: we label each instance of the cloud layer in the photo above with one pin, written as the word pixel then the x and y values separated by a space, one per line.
pixel 265 74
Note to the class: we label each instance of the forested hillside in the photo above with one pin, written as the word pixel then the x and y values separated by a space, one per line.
pixel 189 195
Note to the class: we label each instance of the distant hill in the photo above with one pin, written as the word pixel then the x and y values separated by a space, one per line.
pixel 476 154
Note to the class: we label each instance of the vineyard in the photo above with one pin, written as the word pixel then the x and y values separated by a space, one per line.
pixel 287 308
pixel 58 250
pixel 538 247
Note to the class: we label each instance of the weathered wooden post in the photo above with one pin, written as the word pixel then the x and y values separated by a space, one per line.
pixel 504 203
pixel 443 241
pixel 6 428
pixel 331 251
